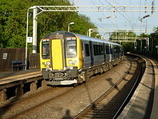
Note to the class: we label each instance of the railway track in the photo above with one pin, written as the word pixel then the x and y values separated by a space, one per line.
pixel 144 94
pixel 30 103
pixel 114 107
pixel 81 101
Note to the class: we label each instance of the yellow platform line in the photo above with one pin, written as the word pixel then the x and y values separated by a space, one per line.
pixel 23 75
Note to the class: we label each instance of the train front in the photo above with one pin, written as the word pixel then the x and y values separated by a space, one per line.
pixel 64 58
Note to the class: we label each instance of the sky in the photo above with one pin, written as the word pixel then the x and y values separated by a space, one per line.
pixel 108 22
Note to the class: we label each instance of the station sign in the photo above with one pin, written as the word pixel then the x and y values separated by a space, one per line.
pixel 29 39
pixel 5 56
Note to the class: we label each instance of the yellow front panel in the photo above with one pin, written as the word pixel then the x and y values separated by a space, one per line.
pixel 78 60
pixel 57 54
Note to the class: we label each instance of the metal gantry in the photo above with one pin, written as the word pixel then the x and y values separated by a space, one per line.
pixel 92 8
pixel 98 8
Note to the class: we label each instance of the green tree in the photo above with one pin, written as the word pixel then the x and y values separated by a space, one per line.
pixel 82 24
pixel 153 41
pixel 125 37
pixel 128 46
pixel 122 35
pixel 13 21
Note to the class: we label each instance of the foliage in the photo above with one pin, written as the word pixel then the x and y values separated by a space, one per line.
pixel 82 24
pixel 153 41
pixel 156 30
pixel 122 35
pixel 128 46
pixel 13 21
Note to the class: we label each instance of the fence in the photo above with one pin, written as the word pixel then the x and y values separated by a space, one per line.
pixel 9 54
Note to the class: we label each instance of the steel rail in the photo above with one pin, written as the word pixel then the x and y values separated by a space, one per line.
pixel 93 105
pixel 130 93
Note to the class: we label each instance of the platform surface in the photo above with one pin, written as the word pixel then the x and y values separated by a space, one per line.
pixel 6 77
pixel 137 107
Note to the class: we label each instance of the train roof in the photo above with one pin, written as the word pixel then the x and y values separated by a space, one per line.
pixel 83 37
pixel 64 33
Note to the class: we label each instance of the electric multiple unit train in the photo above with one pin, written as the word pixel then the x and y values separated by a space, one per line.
pixel 69 59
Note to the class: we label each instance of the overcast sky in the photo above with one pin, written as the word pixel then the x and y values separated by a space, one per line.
pixel 121 20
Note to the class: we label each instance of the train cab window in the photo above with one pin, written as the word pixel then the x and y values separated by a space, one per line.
pixel 71 48
pixel 45 50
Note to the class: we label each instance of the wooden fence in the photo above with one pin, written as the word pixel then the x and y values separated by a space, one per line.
pixel 9 54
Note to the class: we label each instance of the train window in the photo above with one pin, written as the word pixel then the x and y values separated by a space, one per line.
pixel 45 50
pixel 98 49
pixel 87 52
pixel 71 48
pixel 116 49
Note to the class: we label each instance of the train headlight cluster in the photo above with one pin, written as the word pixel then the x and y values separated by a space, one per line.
pixel 71 62
pixel 47 64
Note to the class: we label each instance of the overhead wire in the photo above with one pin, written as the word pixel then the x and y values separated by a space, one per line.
pixel 112 21
pixel 103 15
pixel 112 16
pixel 127 15
pixel 98 19
pixel 117 10
pixel 132 15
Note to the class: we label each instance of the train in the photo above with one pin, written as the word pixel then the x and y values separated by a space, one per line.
pixel 67 58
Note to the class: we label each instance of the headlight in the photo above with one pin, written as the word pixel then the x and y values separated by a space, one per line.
pixel 48 63
pixel 75 61
pixel 70 62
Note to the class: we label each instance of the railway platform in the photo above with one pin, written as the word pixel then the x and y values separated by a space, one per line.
pixel 140 105
pixel 13 73
pixel 10 76
pixel 17 83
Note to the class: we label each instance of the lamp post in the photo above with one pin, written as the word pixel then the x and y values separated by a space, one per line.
pixel 89 32
pixel 69 26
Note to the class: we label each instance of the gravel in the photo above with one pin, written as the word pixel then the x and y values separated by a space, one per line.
pixel 69 105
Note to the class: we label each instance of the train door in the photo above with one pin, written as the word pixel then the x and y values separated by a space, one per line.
pixel 91 53
pixel 98 53
pixel 57 54
pixel 87 54
pixel 107 49
pixel 104 51
pixel 110 52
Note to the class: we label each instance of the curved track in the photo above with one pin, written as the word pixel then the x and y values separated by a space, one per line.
pixel 144 94
pixel 116 104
